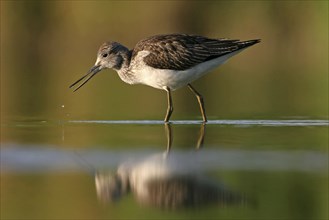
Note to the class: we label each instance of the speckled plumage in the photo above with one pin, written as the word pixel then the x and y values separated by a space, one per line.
pixel 182 51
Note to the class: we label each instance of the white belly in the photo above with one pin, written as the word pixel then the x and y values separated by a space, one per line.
pixel 162 78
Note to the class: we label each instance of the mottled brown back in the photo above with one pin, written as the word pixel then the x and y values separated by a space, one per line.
pixel 181 51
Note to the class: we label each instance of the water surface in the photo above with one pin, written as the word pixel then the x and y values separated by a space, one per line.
pixel 226 169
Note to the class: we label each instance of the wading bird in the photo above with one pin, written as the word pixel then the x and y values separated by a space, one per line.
pixel 166 62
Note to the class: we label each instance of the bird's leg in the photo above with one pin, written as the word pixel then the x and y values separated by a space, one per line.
pixel 200 100
pixel 170 105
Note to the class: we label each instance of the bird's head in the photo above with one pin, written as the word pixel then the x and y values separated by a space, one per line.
pixel 110 55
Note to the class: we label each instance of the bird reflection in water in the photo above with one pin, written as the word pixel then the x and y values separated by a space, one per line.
pixel 166 180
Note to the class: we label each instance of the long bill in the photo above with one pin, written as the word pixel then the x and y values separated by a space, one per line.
pixel 91 73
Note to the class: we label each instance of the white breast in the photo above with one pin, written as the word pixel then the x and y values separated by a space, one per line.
pixel 162 78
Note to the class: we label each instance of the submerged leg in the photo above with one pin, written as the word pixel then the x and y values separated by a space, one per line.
pixel 170 105
pixel 169 137
pixel 201 136
pixel 200 100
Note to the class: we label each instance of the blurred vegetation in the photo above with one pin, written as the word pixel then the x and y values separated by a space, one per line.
pixel 47 45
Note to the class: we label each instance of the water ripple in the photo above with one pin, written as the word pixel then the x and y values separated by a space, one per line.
pixel 17 158
pixel 270 123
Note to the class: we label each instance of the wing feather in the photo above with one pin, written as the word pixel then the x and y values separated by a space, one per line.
pixel 181 52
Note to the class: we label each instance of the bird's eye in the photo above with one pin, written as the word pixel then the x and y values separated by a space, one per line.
pixel 104 55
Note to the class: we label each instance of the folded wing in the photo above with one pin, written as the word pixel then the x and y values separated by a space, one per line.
pixel 181 52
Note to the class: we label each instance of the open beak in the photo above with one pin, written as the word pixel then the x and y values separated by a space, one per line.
pixel 90 74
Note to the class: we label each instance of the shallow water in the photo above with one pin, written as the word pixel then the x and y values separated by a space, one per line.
pixel 226 169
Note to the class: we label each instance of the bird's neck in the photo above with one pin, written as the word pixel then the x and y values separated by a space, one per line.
pixel 123 71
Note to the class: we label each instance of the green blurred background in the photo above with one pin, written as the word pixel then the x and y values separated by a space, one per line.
pixel 47 45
